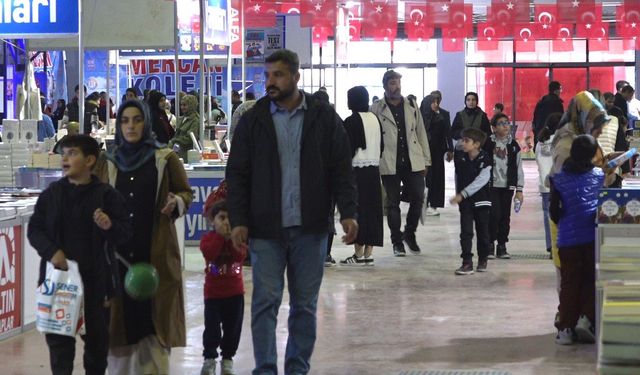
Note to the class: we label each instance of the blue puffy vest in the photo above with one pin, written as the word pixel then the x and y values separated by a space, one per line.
pixel 579 194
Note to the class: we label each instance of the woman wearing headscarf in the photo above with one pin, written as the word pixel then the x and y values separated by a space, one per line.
pixel 365 137
pixel 438 129
pixel 471 116
pixel 154 184
pixel 188 122
pixel 159 121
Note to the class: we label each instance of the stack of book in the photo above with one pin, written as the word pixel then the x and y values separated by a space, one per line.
pixel 619 260
pixel 619 350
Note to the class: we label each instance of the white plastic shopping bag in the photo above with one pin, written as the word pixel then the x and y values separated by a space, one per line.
pixel 60 301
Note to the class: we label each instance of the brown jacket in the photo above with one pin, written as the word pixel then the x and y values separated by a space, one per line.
pixel 168 308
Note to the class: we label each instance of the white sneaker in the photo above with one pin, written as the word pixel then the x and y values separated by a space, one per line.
pixel 208 367
pixel 585 331
pixel 564 337
pixel 227 367
pixel 432 211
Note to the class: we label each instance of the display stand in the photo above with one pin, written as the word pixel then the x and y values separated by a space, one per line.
pixel 618 281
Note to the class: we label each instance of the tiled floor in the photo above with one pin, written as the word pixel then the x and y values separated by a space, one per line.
pixel 404 314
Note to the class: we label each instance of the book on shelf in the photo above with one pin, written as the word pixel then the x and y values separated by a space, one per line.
pixel 609 368
pixel 620 330
pixel 619 352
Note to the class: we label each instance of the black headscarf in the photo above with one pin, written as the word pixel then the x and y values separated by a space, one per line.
pixel 131 156
pixel 358 99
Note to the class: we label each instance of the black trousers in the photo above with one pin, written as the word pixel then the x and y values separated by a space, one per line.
pixel 468 216
pixel 62 349
pixel 222 315
pixel 500 224
pixel 413 184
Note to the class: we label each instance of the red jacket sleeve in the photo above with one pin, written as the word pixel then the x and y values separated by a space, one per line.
pixel 211 244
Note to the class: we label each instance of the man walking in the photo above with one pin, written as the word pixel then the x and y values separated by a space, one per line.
pixel 548 104
pixel 289 159
pixel 405 159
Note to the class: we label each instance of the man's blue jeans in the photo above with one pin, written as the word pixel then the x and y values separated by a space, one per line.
pixel 302 255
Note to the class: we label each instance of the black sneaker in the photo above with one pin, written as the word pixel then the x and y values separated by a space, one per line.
pixel 482 265
pixel 398 249
pixel 329 261
pixel 353 261
pixel 411 242
pixel 465 269
pixel 368 261
pixel 501 252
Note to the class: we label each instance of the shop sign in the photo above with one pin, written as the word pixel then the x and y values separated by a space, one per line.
pixel 10 278
pixel 195 223
pixel 32 18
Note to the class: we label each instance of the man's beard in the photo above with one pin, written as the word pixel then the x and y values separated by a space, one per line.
pixel 280 95
pixel 394 95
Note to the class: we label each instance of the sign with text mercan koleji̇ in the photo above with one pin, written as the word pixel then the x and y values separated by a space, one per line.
pixel 32 18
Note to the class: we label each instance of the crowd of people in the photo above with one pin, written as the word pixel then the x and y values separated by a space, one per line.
pixel 292 162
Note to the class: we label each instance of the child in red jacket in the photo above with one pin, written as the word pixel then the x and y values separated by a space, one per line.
pixel 223 289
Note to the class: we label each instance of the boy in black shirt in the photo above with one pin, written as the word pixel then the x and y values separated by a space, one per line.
pixel 80 218
pixel 473 171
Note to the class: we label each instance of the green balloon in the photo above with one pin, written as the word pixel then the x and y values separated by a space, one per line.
pixel 141 281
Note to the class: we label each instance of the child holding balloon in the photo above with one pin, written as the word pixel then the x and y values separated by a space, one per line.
pixel 223 288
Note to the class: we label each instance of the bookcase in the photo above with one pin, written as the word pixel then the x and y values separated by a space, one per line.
pixel 618 282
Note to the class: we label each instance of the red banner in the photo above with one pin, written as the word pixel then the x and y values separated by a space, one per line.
pixel 416 22
pixel 572 11
pixel 10 278
pixel 318 13
pixel 260 13
pixel 380 19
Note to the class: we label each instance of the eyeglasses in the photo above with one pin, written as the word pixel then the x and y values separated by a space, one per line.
pixel 503 123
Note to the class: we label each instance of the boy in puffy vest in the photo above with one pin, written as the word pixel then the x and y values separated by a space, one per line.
pixel 574 201
pixel 507 176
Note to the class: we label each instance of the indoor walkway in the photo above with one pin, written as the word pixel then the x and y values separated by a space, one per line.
pixel 404 314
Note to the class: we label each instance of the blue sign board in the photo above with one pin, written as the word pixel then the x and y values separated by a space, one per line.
pixel 195 223
pixel 29 18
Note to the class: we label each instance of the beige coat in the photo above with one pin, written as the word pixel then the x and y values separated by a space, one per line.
pixel 168 307
pixel 419 153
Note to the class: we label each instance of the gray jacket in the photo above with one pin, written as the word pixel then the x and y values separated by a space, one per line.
pixel 417 142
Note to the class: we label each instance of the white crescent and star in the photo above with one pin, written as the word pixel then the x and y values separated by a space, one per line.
pixel 256 8
pixel 493 32
pixel 445 8
pixel 527 31
pixel 318 7
pixel 547 16
pixel 418 19
pixel 510 5
pixel 379 9
pixel 564 33
pixel 575 3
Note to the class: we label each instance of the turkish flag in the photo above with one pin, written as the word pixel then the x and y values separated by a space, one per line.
pixel 509 12
pixel 439 12
pixel 380 19
pixel 354 15
pixel 318 13
pixel 320 34
pixel 290 8
pixel 585 29
pixel 524 36
pixel 546 18
pixel 489 35
pixel 628 24
pixel 461 18
pixel 576 11
pixel 563 41
pixel 260 13
pixel 453 39
pixel 416 25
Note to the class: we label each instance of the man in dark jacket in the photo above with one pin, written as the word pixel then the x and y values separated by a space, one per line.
pixel 289 159
pixel 620 100
pixel 548 104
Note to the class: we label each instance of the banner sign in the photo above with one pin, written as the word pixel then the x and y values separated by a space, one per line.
pixel 217 30
pixel 195 223
pixel 10 278
pixel 32 18
pixel 160 75
pixel 260 43
pixel 95 73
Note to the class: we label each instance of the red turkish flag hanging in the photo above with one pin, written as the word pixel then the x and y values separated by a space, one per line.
pixel 320 34
pixel 576 11
pixel 459 28
pixel 354 15
pixel 509 12
pixel 290 8
pixel 260 13
pixel 563 41
pixel 439 12
pixel 595 30
pixel 416 23
pixel 453 39
pixel 628 25
pixel 524 37
pixel 546 19
pixel 380 19
pixel 489 35
pixel 318 13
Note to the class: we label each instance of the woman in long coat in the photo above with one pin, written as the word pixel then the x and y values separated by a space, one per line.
pixel 155 187
pixel 189 121
pixel 438 129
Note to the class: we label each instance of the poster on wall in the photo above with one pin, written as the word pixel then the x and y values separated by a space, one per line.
pixel 10 278
pixel 217 30
pixel 95 73
pixel 254 46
